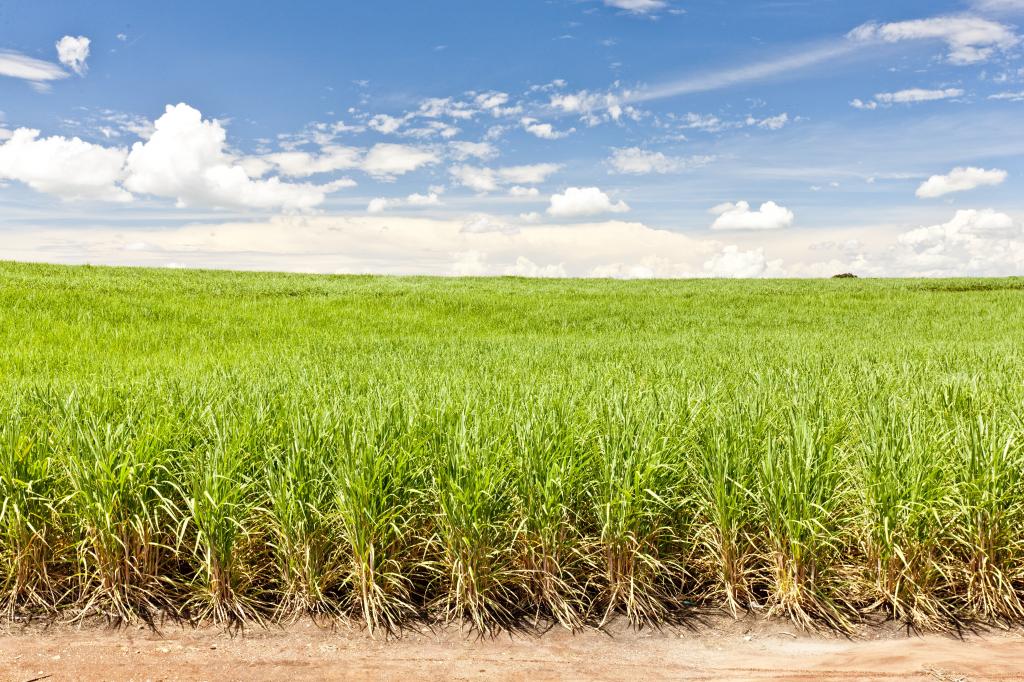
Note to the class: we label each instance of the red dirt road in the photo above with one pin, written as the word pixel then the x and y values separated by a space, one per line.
pixel 719 649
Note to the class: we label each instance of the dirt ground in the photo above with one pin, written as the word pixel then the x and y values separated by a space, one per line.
pixel 716 648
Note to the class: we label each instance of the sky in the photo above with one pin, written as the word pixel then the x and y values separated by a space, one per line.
pixel 538 138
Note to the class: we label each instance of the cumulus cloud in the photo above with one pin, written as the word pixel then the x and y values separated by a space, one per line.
pixel 637 161
pixel 960 179
pixel 469 264
pixel 592 107
pixel 384 244
pixel 544 131
pixel 385 124
pixel 908 96
pixel 738 216
pixel 733 262
pixel 73 52
pixel 65 167
pixel 530 174
pixel 494 102
pixel 969 39
pixel 974 242
pixel 583 201
pixel 377 205
pixel 185 159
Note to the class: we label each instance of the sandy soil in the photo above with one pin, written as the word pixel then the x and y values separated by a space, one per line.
pixel 717 648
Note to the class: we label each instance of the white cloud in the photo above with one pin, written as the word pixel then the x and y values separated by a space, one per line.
pixel 491 100
pixel 770 123
pixel 1008 96
pixel 387 160
pixel 707 122
pixel 383 161
pixel 969 39
pixel 858 103
pixel 530 174
pixel 303 164
pixel 68 168
pixel 475 178
pixel 437 107
pixel 523 192
pixel 738 216
pixel 637 6
pixel 461 151
pixel 583 201
pixel 908 96
pixel 386 124
pixel 1008 6
pixel 524 267
pixel 428 199
pixel 913 95
pixel 185 159
pixel 593 107
pixel 637 161
pixel 489 179
pixel 469 264
pixel 724 78
pixel 960 179
pixel 733 262
pixel 382 244
pixel 73 52
pixel 432 129
pixel 379 204
pixel 38 72
pixel 974 242
pixel 483 224
pixel 544 131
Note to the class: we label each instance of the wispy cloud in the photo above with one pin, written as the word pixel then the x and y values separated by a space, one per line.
pixel 724 78
pixel 969 40
pixel 36 71
pixel 908 96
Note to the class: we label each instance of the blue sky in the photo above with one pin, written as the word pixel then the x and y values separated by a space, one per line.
pixel 625 138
